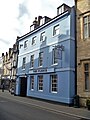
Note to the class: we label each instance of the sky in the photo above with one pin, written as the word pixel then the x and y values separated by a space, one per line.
pixel 16 16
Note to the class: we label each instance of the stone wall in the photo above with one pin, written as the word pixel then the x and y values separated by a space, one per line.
pixel 83 49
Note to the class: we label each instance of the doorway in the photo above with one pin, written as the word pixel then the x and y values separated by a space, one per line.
pixel 23 87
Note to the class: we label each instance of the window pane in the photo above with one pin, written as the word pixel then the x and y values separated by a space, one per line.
pixel 53 83
pixel 34 40
pixel 40 83
pixel 32 82
pixel 85 31
pixel 89 18
pixel 89 29
pixel 86 81
pixel 86 67
pixel 55 60
pixel 42 37
pixel 85 20
pixel 86 72
pixel 25 44
pixel 41 59
pixel 24 63
pixel 32 60
pixel 56 30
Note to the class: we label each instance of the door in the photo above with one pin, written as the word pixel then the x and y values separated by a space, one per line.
pixel 23 88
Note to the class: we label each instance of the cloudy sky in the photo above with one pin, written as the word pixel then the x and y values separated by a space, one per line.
pixel 16 16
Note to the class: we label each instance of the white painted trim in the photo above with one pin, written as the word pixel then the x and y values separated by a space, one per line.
pixel 26 35
pixel 51 44
pixel 64 69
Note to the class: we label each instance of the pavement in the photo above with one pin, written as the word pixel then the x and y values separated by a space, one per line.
pixel 82 113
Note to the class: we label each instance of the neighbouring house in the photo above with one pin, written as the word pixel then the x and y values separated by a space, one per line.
pixel 9 66
pixel 6 76
pixel 83 49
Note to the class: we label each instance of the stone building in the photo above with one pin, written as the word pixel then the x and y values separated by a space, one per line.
pixel 6 76
pixel 9 63
pixel 83 49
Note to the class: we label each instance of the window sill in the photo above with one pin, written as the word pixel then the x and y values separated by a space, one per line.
pixel 86 39
pixel 31 68
pixel 54 64
pixel 40 66
pixel 56 35
pixel 53 92
pixel 33 44
pixel 86 90
pixel 23 69
pixel 32 89
pixel 40 90
pixel 25 48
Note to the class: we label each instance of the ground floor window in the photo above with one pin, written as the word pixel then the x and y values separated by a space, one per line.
pixel 54 83
pixel 40 83
pixel 87 75
pixel 32 82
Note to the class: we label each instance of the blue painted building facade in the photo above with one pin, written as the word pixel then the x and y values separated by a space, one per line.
pixel 46 60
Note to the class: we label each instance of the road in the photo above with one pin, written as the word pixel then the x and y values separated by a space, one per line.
pixel 14 108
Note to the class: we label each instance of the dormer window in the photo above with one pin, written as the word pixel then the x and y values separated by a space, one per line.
pixel 31 27
pixel 63 8
pixel 42 21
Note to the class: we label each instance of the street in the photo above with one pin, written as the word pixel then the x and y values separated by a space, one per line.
pixel 16 108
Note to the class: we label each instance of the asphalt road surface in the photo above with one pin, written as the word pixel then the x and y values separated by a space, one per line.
pixel 11 109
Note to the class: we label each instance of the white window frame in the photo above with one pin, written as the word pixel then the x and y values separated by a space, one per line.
pixel 42 37
pixel 25 43
pixel 40 83
pixel 54 60
pixel 24 63
pixel 32 61
pixel 86 27
pixel 42 21
pixel 54 85
pixel 34 40
pixel 56 30
pixel 31 27
pixel 40 59
pixel 32 83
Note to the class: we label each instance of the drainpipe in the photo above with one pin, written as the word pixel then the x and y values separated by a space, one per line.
pixel 75 47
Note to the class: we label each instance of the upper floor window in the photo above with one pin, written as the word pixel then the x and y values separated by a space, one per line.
pixel 24 63
pixel 87 76
pixel 34 40
pixel 40 58
pixel 25 44
pixel 86 24
pixel 42 37
pixel 56 30
pixel 32 60
pixel 54 58
pixel 54 83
